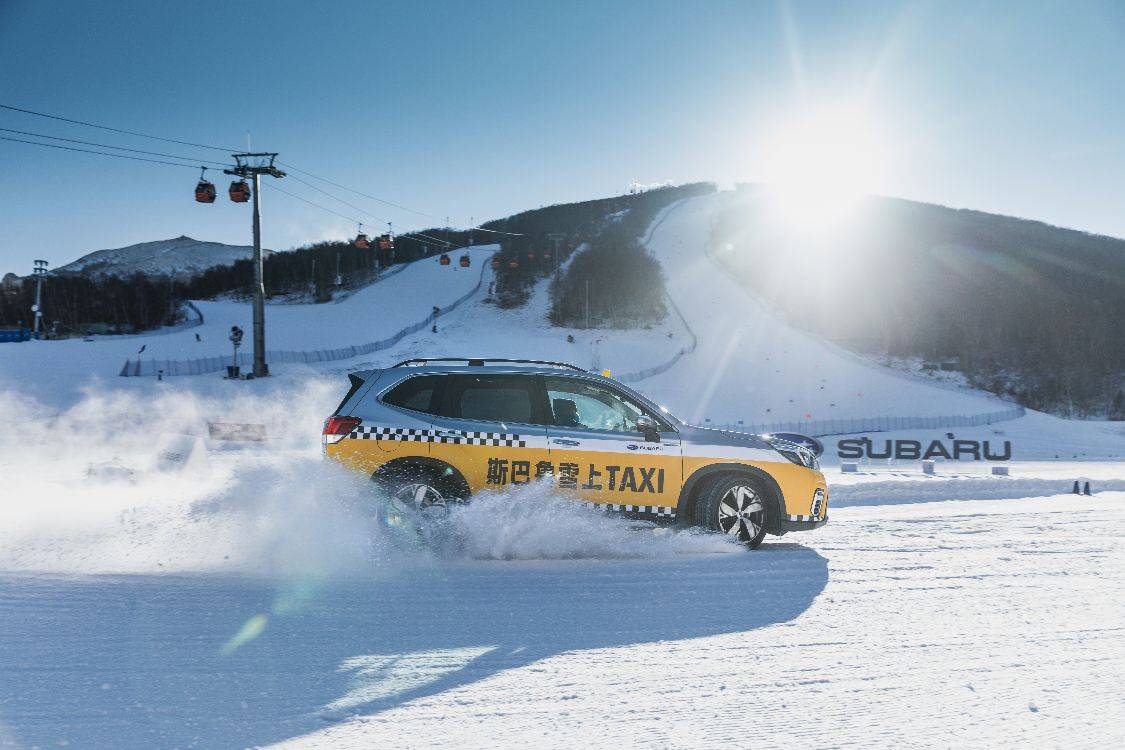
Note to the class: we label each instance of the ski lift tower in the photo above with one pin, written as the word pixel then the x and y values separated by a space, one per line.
pixel 39 272
pixel 253 166
pixel 556 239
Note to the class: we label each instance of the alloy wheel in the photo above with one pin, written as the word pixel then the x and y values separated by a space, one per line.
pixel 741 513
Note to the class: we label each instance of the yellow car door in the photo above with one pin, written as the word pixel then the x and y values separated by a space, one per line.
pixel 490 429
pixel 609 449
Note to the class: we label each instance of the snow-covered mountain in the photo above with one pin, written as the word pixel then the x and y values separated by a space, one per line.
pixel 182 257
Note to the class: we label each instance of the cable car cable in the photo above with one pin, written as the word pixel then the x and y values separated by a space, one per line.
pixel 335 198
pixel 375 198
pixel 361 210
pixel 203 145
pixel 116 130
pixel 357 192
pixel 409 236
pixel 207 146
pixel 497 231
pixel 99 153
pixel 311 203
pixel 118 148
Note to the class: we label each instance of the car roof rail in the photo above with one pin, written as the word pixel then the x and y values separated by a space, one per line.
pixel 481 361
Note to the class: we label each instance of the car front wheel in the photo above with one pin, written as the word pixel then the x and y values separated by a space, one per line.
pixel 736 506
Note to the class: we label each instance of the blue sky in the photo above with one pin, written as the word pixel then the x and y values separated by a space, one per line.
pixel 481 109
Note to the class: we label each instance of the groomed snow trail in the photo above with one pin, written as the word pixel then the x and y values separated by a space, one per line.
pixel 749 365
pixel 972 624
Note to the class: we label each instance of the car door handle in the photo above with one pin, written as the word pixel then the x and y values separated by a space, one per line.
pixel 563 441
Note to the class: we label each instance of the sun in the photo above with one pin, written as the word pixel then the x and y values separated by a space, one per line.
pixel 818 163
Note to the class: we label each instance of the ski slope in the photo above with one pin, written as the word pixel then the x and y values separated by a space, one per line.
pixel 751 365
pixel 373 313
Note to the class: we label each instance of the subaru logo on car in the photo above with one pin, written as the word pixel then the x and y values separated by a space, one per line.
pixel 804 441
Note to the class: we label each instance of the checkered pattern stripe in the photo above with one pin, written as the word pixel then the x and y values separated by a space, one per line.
pixel 405 434
pixel 488 438
pixel 421 435
pixel 804 518
pixel 652 510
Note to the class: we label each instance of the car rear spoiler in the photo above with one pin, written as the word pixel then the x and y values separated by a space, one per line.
pixel 357 380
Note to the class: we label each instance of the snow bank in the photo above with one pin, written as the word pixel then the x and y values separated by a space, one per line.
pixel 930 489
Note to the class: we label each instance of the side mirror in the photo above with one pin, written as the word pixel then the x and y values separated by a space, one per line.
pixel 647 425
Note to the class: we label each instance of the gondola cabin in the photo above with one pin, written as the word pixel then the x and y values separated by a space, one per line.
pixel 444 259
pixel 513 264
pixel 495 263
pixel 239 191
pixel 386 242
pixel 465 262
pixel 361 241
pixel 205 192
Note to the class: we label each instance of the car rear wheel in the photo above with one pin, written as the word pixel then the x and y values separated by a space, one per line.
pixel 415 500
pixel 417 495
pixel 736 506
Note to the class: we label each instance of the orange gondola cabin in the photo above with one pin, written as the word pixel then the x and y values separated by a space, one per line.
pixel 465 262
pixel 495 262
pixel 386 242
pixel 205 192
pixel 444 259
pixel 240 191
pixel 361 242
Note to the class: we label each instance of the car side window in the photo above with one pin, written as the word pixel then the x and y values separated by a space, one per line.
pixel 580 404
pixel 416 394
pixel 493 398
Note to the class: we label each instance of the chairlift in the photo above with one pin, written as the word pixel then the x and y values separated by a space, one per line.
pixel 204 191
pixel 240 191
pixel 444 259
pixel 465 261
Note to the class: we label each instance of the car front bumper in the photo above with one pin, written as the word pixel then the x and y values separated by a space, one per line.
pixel 802 523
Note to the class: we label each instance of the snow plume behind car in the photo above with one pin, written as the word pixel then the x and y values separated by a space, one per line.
pixel 533 521
pixel 126 482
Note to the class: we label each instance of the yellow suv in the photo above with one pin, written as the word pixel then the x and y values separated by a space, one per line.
pixel 432 432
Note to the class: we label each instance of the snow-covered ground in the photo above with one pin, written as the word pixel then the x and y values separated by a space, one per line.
pixel 245 601
pixel 975 624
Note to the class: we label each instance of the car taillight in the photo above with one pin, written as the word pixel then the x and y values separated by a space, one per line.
pixel 338 428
